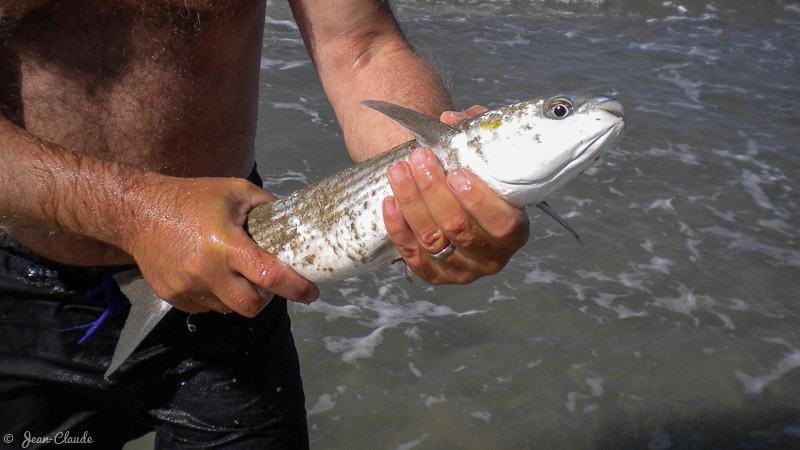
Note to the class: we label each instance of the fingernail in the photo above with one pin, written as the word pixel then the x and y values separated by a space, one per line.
pixel 389 206
pixel 397 172
pixel 418 158
pixel 312 296
pixel 458 181
pixel 422 162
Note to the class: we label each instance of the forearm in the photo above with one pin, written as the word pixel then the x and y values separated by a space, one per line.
pixel 62 204
pixel 395 75
pixel 361 54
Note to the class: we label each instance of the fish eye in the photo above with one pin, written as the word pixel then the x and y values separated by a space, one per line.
pixel 559 108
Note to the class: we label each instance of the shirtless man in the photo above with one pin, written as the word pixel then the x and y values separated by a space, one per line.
pixel 126 133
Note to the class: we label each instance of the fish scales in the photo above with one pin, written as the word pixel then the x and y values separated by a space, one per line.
pixel 332 228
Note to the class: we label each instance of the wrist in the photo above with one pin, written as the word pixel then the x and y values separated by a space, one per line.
pixel 137 209
pixel 106 201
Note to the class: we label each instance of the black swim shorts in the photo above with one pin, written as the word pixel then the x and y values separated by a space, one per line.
pixel 233 382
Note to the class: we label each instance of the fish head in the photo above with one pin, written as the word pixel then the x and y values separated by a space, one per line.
pixel 528 150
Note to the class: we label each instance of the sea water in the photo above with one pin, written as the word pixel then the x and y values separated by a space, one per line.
pixel 677 326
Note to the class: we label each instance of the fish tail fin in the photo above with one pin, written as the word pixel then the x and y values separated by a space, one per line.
pixel 147 309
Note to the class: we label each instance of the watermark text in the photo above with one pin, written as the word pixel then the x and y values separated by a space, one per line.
pixel 62 437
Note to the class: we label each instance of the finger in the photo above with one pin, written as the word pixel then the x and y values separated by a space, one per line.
pixel 451 117
pixel 397 227
pixel 496 216
pixel 401 235
pixel 264 273
pixel 447 212
pixel 193 302
pixel 242 296
pixel 455 269
pixel 416 257
pixel 475 109
pixel 415 211
pixel 264 270
pixel 214 302
pixel 187 305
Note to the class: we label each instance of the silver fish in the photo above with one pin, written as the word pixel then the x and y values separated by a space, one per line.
pixel 334 229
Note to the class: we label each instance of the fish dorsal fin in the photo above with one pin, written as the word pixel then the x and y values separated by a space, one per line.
pixel 147 309
pixel 427 130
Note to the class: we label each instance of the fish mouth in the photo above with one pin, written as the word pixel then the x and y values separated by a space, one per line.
pixel 618 112
pixel 616 129
pixel 613 107
pixel 577 160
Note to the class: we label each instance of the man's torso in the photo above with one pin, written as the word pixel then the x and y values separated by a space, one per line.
pixel 168 88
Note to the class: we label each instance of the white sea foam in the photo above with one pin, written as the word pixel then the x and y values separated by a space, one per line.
pixel 657 264
pixel 411 444
pixel 738 304
pixel 413 333
pixel 290 24
pixel 606 300
pixel 689 303
pixel 679 152
pixel 333 312
pixel 752 183
pixel 313 114
pixel 389 309
pixel 482 415
pixel 533 364
pixel 596 386
pixel 324 403
pixel 431 400
pixel 594 275
pixel 728 216
pixel 281 65
pixel 541 276
pixel 741 240
pixel 755 385
pixel 780 226
pixel 686 303
pixel 498 296
pixel 632 280
pixel 355 348
pixel 286 177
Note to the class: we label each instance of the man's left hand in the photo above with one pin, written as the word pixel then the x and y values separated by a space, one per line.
pixel 431 210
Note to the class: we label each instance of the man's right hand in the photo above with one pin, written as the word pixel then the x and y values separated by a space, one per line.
pixel 188 239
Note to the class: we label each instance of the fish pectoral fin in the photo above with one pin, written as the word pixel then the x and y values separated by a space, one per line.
pixel 427 130
pixel 552 213
pixel 147 309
